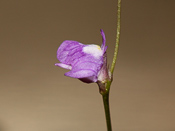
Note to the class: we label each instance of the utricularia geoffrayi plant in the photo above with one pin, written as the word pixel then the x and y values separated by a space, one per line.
pixel 88 63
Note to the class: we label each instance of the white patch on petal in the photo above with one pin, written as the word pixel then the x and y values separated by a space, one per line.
pixel 94 50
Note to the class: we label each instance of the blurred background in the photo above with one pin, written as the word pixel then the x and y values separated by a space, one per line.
pixel 36 96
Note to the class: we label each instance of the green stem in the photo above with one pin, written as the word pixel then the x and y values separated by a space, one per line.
pixel 107 111
pixel 105 94
pixel 117 37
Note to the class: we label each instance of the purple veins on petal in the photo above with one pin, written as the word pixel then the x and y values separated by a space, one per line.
pixel 66 49
pixel 86 66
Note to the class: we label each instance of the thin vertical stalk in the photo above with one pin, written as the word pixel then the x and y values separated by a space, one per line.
pixel 107 111
pixel 117 37
pixel 105 94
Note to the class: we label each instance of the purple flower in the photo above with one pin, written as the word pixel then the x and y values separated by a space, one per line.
pixel 85 62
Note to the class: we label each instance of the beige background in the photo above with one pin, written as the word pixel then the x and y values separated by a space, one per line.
pixel 36 96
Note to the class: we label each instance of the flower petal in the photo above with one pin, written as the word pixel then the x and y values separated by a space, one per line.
pixel 86 66
pixel 64 66
pixel 94 50
pixel 103 47
pixel 68 51
pixel 87 76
